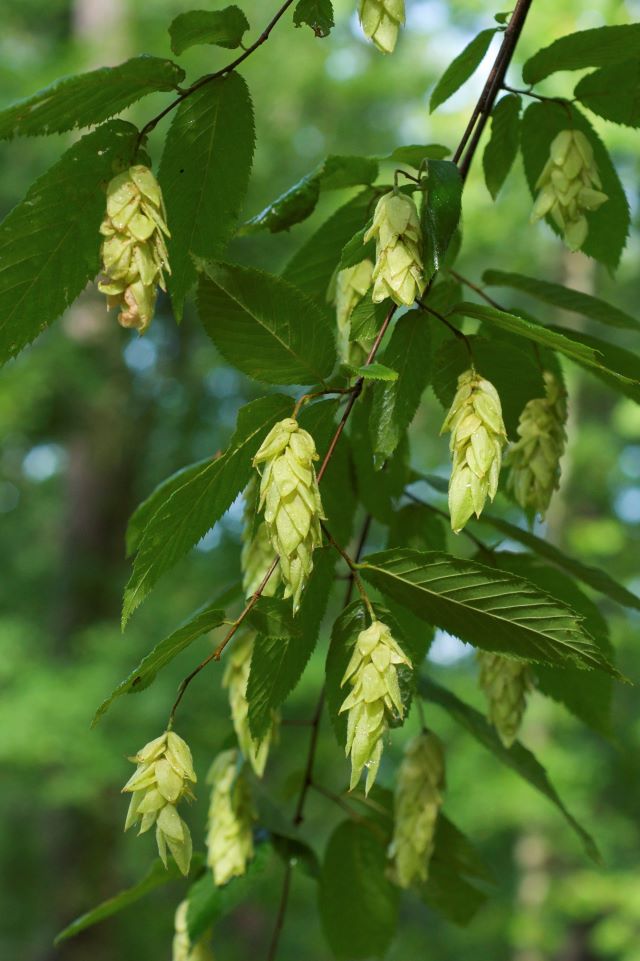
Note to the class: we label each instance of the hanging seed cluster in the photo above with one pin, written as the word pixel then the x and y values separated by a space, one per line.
pixel 235 679
pixel 398 271
pixel 231 818
pixel 182 948
pixel 381 21
pixel 506 683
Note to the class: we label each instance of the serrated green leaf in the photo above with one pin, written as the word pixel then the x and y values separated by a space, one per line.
pixel 455 869
pixel 358 905
pixel 374 371
pixel 414 154
pixel 417 527
pixel 613 92
pixel 203 621
pixel 356 250
pixel 145 511
pixel 376 488
pixel 367 318
pixel 89 98
pixel 204 173
pixel 461 68
pixel 517 757
pixel 224 28
pixel 619 368
pixel 597 47
pixel 290 208
pixel 343 170
pixel 193 508
pixel 487 608
pixel 394 405
pixel 265 326
pixel 50 243
pixel 564 297
pixel 609 225
pixel 502 148
pixel 440 214
pixel 317 14
pixel 207 903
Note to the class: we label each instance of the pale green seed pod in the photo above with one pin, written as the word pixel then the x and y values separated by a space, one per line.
pixel 351 284
pixel 134 253
pixel 374 698
pixel 398 270
pixel 182 948
pixel 381 21
pixel 534 459
pixel 477 437
pixel 569 186
pixel 235 680
pixel 506 683
pixel 231 817
pixel 162 778
pixel 420 784
pixel 291 501
pixel 257 554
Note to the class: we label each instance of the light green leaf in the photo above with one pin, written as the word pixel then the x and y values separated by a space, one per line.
pixel 317 14
pixel 224 28
pixel 414 154
pixel 50 243
pixel 264 326
pixel 586 48
pixel 613 92
pixel 460 69
pixel 344 170
pixel 204 173
pixel 357 250
pixel 374 371
pixel 502 148
pixel 207 903
pixel 366 319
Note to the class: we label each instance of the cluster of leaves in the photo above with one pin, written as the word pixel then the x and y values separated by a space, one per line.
pixel 279 331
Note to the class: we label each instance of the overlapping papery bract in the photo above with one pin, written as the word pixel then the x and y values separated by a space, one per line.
pixel 569 186
pixel 351 284
pixel 134 253
pixel 477 438
pixel 291 500
pixel 373 700
pixel 231 817
pixel 506 683
pixel 257 553
pixel 534 459
pixel 381 21
pixel 182 948
pixel 163 777
pixel 398 271
pixel 236 679
pixel 420 784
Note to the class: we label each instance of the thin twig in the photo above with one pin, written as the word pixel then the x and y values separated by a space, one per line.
pixel 339 801
pixel 351 564
pixel 282 910
pixel 443 320
pixel 480 291
pixel 562 101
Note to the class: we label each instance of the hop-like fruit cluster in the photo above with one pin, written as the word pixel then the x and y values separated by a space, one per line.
pixel 568 186
pixel 231 817
pixel 506 683
pixel 373 700
pixel 257 554
pixel 351 285
pixel 235 679
pixel 381 21
pixel 291 500
pixel 134 253
pixel 419 791
pixel 398 269
pixel 163 777
pixel 477 438
pixel 535 458
pixel 183 949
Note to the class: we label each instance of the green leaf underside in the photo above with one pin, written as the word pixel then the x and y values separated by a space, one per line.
pixel 619 369
pixel 224 28
pixel 502 147
pixel 204 173
pixel 49 243
pixel 317 14
pixel 89 98
pixel 597 47
pixel 440 212
pixel 266 327
pixel 194 507
pixel 613 92
pixel 374 371
pixel 487 608
pixel 207 903
pixel 356 250
pixel 145 673
pixel 564 297
pixel 358 905
pixel 460 69
pixel 517 757
pixel 454 872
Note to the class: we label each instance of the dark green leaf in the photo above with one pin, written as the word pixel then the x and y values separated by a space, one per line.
pixel 619 368
pixel 376 488
pixel 357 250
pixel 264 326
pixel 339 171
pixel 207 903
pixel 613 92
pixel 90 98
pixel 414 154
pixel 441 208
pixel 204 173
pixel 460 69
pixel 145 511
pixel 454 871
pixel 290 208
pixel 50 243
pixel 358 905
pixel 502 148
pixel 317 14
pixel 224 28
pixel 586 48
pixel 194 507
pixel 417 527
pixel 517 757
pixel 374 371
pixel 366 319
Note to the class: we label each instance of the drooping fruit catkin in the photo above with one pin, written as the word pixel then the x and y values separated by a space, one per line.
pixel 381 21
pixel 235 679
pixel 398 269
pixel 350 286
pixel 182 948
pixel 506 683
pixel 231 817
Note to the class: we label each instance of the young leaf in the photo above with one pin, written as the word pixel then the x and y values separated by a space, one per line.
pixel 367 318
pixel 609 225
pixel 394 404
pixel 194 507
pixel 564 297
pixel 356 250
pixel 204 173
pixel 613 92
pixel 455 869
pixel 203 621
pixel 317 14
pixel 374 371
pixel 344 170
pixel 358 905
pixel 207 903
pixel 414 154
pixel 50 243
pixel 290 208
pixel 440 214
pixel 487 608
pixel 224 28
pixel 460 69
pixel 586 48
pixel 263 325
pixel 502 148
pixel 517 757
pixel 89 98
